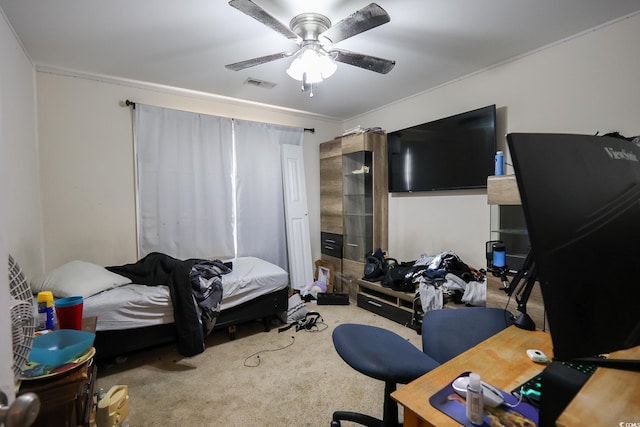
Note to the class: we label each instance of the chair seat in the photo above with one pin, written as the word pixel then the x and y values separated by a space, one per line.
pixel 380 353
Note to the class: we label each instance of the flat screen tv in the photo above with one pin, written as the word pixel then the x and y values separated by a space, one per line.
pixel 452 153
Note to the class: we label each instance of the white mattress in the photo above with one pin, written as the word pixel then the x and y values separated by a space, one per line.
pixel 134 306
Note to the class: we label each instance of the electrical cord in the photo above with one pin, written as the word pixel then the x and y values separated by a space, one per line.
pixel 317 326
pixel 513 405
pixel 257 354
pixel 314 324
pixel 309 323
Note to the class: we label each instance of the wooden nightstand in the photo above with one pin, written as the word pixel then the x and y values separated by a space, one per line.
pixel 66 399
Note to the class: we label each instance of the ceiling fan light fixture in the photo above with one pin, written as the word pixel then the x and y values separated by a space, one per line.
pixel 317 65
pixel 316 58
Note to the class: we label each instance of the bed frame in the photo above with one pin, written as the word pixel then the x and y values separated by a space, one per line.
pixel 110 344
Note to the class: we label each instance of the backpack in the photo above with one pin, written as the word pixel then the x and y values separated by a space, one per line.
pixel 400 277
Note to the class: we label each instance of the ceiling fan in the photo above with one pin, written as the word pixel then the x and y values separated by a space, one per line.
pixel 314 35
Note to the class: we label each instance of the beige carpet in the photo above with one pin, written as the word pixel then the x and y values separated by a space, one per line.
pixel 296 380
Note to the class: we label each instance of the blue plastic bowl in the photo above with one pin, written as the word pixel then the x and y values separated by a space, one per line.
pixel 59 347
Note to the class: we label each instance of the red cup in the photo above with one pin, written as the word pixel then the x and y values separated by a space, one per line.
pixel 69 312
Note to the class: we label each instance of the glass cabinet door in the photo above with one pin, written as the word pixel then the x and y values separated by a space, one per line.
pixel 357 188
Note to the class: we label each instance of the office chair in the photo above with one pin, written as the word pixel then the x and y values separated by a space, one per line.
pixel 386 356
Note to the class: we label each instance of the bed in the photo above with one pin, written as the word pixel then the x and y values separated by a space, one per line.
pixel 133 316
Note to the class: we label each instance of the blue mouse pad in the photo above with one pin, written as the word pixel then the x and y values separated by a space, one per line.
pixel 454 405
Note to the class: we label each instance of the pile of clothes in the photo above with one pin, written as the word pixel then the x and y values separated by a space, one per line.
pixel 440 275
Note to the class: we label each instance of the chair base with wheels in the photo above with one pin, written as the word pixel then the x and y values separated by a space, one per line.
pixel 384 355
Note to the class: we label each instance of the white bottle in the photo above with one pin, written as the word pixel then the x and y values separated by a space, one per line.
pixel 475 404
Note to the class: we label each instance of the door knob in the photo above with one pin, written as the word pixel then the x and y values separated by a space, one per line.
pixel 22 412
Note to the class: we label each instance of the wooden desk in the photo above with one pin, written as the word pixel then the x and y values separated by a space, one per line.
pixel 500 360
pixel 609 398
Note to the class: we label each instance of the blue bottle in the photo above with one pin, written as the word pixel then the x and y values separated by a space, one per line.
pixel 499 255
pixel 499 163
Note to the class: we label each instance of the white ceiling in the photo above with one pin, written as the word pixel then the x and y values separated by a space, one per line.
pixel 186 43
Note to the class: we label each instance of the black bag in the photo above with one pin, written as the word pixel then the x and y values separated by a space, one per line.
pixel 400 277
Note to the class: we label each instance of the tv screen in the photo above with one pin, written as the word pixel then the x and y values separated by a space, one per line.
pixel 581 200
pixel 447 154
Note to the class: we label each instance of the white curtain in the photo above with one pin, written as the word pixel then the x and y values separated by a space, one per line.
pixel 184 169
pixel 260 199
pixel 210 187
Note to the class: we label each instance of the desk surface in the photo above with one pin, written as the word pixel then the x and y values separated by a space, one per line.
pixel 500 360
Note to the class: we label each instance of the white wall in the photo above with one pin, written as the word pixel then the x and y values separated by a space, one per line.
pixel 587 84
pixel 20 224
pixel 19 163
pixel 86 163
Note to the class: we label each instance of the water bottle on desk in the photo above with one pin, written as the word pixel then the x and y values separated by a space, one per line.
pixel 475 403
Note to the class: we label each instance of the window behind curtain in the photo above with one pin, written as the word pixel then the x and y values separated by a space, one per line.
pixel 261 214
pixel 184 167
pixel 194 202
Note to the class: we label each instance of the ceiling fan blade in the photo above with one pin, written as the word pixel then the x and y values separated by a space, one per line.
pixel 259 14
pixel 358 22
pixel 237 66
pixel 371 63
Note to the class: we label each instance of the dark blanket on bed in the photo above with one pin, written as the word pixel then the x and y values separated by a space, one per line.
pixel 186 292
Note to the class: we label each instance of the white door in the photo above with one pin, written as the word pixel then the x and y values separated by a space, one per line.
pixel 297 217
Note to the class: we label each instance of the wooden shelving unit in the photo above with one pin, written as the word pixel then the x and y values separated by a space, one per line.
pixel 353 204
pixel 503 190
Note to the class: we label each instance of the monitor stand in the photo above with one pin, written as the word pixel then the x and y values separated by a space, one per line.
pixel 522 293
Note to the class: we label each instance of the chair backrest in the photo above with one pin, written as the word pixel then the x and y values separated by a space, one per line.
pixel 448 332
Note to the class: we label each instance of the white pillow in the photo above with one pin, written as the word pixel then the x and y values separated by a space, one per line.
pixel 78 278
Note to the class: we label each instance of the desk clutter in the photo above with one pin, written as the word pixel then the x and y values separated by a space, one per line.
pixel 453 403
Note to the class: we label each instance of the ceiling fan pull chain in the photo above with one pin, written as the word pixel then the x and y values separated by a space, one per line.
pixel 306 86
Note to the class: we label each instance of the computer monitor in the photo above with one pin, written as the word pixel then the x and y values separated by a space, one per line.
pixel 581 200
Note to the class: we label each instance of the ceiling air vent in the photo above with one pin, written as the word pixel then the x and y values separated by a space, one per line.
pixel 259 83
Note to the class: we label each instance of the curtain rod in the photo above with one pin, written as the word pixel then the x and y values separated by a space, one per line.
pixel 132 104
